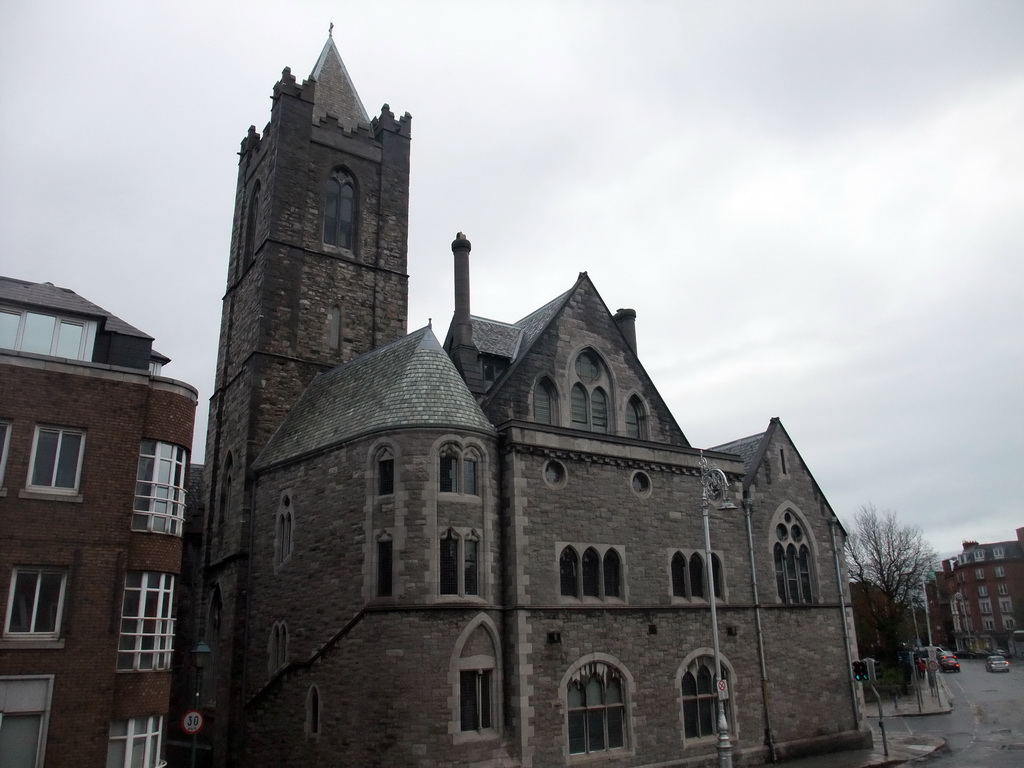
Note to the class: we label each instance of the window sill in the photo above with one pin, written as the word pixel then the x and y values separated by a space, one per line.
pixel 71 497
pixel 593 757
pixel 3 492
pixel 31 644
pixel 474 737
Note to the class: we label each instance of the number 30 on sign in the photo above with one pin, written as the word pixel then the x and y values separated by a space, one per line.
pixel 192 722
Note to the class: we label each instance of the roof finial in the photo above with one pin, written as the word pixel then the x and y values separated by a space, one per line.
pixel 330 30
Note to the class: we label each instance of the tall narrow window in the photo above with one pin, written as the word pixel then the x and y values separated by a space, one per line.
pixel 147 622
pixel 591 571
pixel 716 574
pixel 544 402
pixel 636 419
pixel 475 699
pixel 449 564
pixel 580 409
pixel 250 226
pixel 385 473
pixel 793 560
pixel 449 470
pixel 225 488
pixel 283 538
pixel 697 576
pixel 339 211
pixel 469 566
pixel 384 567
pixel 56 459
pixel 611 565
pixel 334 327
pixel 678 575
pixel 469 476
pixel 5 441
pixel 313 711
pixel 569 572
pixel 160 488
pixel 599 410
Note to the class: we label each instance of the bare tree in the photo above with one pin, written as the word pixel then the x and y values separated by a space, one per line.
pixel 887 562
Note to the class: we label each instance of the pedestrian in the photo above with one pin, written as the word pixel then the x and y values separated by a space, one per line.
pixel 920 667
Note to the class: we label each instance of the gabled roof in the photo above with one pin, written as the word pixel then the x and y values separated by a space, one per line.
pixel 335 93
pixel 63 301
pixel 512 340
pixel 752 450
pixel 409 383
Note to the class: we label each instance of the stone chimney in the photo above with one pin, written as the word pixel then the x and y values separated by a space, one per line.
pixel 463 351
pixel 626 320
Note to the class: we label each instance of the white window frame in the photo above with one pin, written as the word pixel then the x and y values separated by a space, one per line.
pixel 140 733
pixel 979 554
pixel 52 488
pixel 160 488
pixel 982 591
pixel 33 699
pixel 1004 589
pixel 997 552
pixel 85 344
pixel 985 606
pixel 31 634
pixel 989 623
pixel 979 573
pixel 1008 622
pixel 1006 605
pixel 147 638
pixel 6 427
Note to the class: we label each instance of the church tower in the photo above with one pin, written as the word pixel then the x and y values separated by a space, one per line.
pixel 316 277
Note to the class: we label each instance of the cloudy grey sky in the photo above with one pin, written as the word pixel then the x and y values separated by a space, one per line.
pixel 814 207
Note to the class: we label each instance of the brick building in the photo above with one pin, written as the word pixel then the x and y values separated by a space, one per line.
pixel 977 606
pixel 487 551
pixel 93 450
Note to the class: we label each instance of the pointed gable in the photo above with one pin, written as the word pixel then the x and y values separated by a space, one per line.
pixel 335 93
pixel 545 343
pixel 410 383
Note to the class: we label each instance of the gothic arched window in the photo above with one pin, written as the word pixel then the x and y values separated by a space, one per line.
pixel 793 560
pixel 588 397
pixel 697 576
pixel 700 698
pixel 678 575
pixel 340 210
pixel 591 573
pixel 569 573
pixel 249 250
pixel 545 403
pixel 596 709
pixel 636 419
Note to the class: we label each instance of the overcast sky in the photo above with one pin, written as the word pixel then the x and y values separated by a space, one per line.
pixel 816 208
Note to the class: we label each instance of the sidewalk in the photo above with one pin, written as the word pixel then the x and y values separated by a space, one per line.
pixel 904 747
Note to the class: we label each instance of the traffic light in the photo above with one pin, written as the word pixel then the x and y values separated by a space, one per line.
pixel 860 671
pixel 871 669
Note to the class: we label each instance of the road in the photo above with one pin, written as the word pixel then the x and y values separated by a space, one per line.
pixel 986 727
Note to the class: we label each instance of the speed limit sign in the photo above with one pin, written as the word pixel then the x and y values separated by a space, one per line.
pixel 192 722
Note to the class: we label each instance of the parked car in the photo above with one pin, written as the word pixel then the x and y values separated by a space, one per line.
pixel 997 664
pixel 948 663
pixel 967 654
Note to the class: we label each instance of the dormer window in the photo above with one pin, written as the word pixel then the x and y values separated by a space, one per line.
pixel 44 334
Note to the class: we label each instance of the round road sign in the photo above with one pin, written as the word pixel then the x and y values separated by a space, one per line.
pixel 933 665
pixel 192 722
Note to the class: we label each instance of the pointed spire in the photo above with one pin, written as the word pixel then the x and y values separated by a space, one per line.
pixel 335 92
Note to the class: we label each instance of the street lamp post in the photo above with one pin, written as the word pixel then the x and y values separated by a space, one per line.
pixel 199 654
pixel 714 483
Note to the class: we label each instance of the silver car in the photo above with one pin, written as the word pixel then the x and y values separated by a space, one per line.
pixel 997 664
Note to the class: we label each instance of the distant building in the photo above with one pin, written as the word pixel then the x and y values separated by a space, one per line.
pixel 486 552
pixel 981 594
pixel 93 455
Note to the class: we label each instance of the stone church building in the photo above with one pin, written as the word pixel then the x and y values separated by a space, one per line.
pixel 486 550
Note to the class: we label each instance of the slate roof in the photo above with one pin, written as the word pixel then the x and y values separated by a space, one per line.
pixel 48 296
pixel 409 383
pixel 746 448
pixel 511 340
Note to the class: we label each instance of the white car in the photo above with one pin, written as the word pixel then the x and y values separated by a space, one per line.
pixel 997 664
